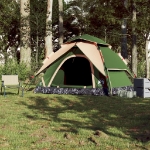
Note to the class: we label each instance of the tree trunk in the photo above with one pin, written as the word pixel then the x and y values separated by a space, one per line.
pixel 37 42
pixel 48 36
pixel 147 61
pixel 37 49
pixel 134 46
pixel 25 49
pixel 60 3
pixel 124 52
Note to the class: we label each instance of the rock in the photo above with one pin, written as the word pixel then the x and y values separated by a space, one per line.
pixel 100 134
pixel 67 136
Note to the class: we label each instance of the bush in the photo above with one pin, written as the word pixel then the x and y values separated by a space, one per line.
pixel 12 67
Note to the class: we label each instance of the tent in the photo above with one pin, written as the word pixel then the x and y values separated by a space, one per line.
pixel 84 65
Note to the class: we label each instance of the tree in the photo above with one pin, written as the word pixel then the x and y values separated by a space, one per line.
pixel 38 27
pixel 9 28
pixel 147 61
pixel 143 29
pixel 134 46
pixel 138 31
pixel 98 18
pixel 77 14
pixel 60 3
pixel 103 20
pixel 124 52
pixel 25 49
pixel 48 36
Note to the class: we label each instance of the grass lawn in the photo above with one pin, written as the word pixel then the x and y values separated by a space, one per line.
pixel 71 122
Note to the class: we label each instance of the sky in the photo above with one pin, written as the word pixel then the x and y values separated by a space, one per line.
pixel 67 0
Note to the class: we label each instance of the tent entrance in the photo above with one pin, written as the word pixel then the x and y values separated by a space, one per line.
pixel 77 71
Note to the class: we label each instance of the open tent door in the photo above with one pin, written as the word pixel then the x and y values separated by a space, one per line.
pixel 78 71
pixel 75 72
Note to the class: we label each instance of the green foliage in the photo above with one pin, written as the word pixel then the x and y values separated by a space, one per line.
pixel 141 69
pixel 100 18
pixel 103 19
pixel 55 13
pixel 38 27
pixel 9 25
pixel 12 67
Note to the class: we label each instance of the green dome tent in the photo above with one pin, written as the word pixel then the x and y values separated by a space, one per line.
pixel 84 62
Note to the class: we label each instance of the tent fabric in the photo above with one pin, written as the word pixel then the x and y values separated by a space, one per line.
pixel 93 54
pixel 78 76
pixel 88 38
pixel 88 49
pixel 112 60
pixel 52 68
pixel 59 78
pixel 119 54
pixel 55 56
pixel 47 58
pixel 118 78
pixel 70 69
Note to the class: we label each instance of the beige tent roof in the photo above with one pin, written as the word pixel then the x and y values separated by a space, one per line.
pixel 52 57
pixel 90 50
pixel 119 54
pixel 62 46
pixel 47 58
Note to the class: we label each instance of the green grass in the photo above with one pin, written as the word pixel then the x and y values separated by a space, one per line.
pixel 69 122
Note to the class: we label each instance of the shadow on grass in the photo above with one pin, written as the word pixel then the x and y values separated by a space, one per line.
pixel 11 93
pixel 124 118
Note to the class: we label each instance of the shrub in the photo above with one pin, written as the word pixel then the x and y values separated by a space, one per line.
pixel 12 67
